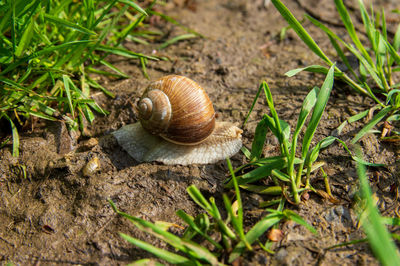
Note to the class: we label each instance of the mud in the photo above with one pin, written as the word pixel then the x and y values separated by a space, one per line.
pixel 58 216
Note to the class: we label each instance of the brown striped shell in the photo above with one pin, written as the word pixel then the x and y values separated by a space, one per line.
pixel 177 109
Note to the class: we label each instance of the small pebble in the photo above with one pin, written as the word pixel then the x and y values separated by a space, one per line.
pixel 91 167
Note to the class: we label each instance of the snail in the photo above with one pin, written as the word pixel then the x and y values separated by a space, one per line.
pixel 177 126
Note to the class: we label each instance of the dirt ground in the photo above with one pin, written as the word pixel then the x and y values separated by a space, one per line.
pixel 58 216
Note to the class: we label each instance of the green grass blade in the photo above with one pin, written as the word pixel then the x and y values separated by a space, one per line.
pixel 389 96
pixel 91 103
pixel 391 221
pixel 369 27
pixel 260 88
pixel 266 190
pixel 254 233
pixel 25 39
pixel 280 133
pixel 312 156
pixel 145 262
pixel 38 114
pixel 42 52
pixel 319 108
pixel 105 11
pixel 153 229
pixel 13 33
pixel 237 220
pixel 259 139
pixel 260 172
pixel 384 30
pixel 160 253
pixel 114 68
pixel 371 70
pixel 378 117
pixel 197 197
pixel 190 221
pixel 15 84
pixel 134 6
pixel 307 106
pixel 301 32
pixel 177 39
pixel 68 24
pixel 67 81
pixel 15 136
pixel 351 30
pixel 313 69
pixel 96 85
pixel 143 62
pixel 281 175
pixel 333 39
pixel 396 39
pixel 392 51
pixel 378 236
pixel 125 32
pixel 123 52
pixel 201 253
pixel 87 112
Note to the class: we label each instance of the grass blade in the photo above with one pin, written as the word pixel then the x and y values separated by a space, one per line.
pixel 67 81
pixel 161 253
pixel 254 233
pixel 177 39
pixel 134 6
pixel 197 197
pixel 15 136
pixel 313 69
pixel 260 172
pixel 378 236
pixel 25 39
pixel 301 32
pixel 123 52
pixel 112 67
pixel 189 220
pixel 351 30
pixel 259 139
pixel 396 39
pixel 253 104
pixel 282 136
pixel 307 106
pixel 319 108
pixel 237 220
pixel 378 117
pixel 68 24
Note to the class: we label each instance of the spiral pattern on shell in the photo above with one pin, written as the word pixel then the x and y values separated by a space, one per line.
pixel 177 109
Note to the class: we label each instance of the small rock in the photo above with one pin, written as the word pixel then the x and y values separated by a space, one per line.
pixel 88 144
pixel 281 255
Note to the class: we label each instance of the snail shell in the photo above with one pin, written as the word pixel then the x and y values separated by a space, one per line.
pixel 177 109
pixel 177 126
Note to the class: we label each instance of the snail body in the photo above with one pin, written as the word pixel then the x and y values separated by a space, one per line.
pixel 177 126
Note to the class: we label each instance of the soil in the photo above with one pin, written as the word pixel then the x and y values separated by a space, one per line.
pixel 59 216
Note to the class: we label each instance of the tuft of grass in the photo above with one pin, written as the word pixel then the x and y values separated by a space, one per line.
pixel 373 77
pixel 226 236
pixel 282 168
pixel 48 49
